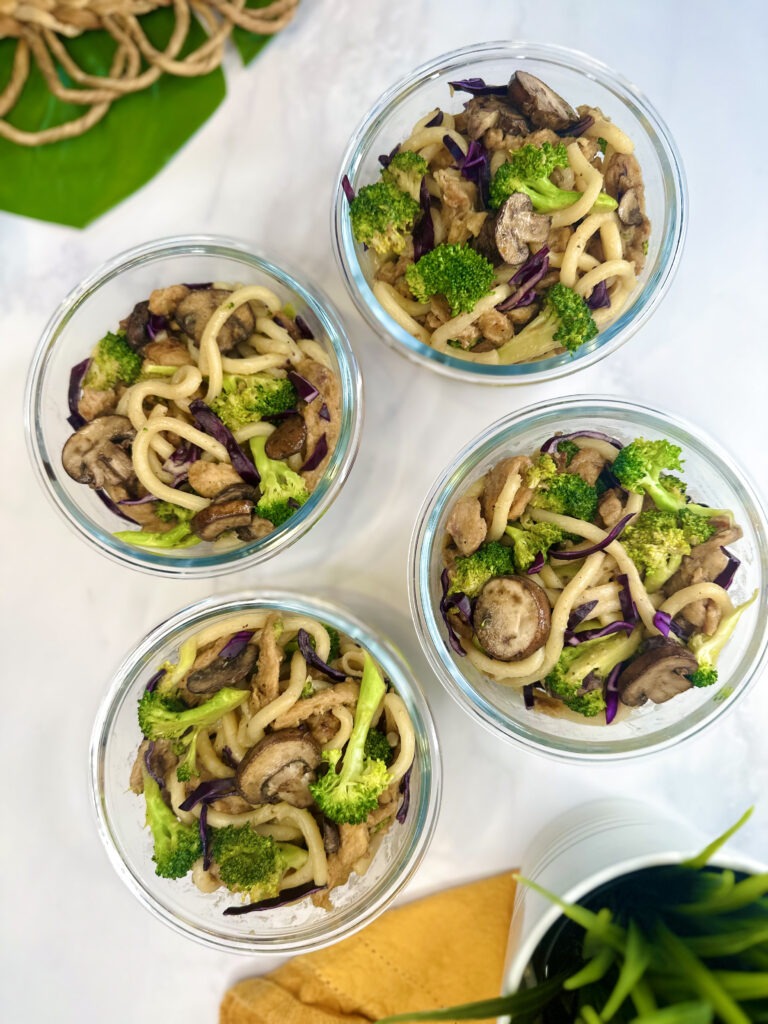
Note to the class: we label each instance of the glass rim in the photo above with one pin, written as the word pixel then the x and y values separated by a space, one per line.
pixel 339 466
pixel 424 537
pixel 125 680
pixel 615 334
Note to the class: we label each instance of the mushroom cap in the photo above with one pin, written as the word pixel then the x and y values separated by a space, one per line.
pixel 196 309
pixel 511 618
pixel 280 767
pixel 543 107
pixel 231 509
pixel 223 672
pixel 516 225
pixel 658 674
pixel 287 439
pixel 99 454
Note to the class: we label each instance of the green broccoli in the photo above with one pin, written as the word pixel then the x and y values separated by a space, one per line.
pixel 529 169
pixel 282 490
pixel 382 217
pixel 177 846
pixel 568 449
pixel 565 321
pixel 530 539
pixel 180 536
pixel 113 362
pixel 163 715
pixel 457 272
pixel 579 668
pixel 251 863
pixel 470 573
pixel 542 470
pixel 351 794
pixel 697 528
pixel 708 648
pixel 567 494
pixel 405 171
pixel 244 400
pixel 641 467
pixel 170 513
pixel 657 545
pixel 377 747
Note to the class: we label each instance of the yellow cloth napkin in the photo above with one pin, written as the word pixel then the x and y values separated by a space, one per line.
pixel 439 951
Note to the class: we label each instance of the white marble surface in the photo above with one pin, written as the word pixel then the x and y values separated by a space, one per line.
pixel 77 947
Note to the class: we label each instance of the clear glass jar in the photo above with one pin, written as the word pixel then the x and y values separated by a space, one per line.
pixel 96 306
pixel 581 80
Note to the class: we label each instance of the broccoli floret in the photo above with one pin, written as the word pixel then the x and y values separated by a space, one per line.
pixel 252 863
pixel 567 494
pixel 377 747
pixel 282 490
pixel 180 536
pixel 162 715
pixel 565 321
pixel 530 539
pixel 471 572
pixel 708 648
pixel 697 528
pixel 244 400
pixel 351 794
pixel 602 144
pixel 528 170
pixel 543 469
pixel 177 846
pixel 457 272
pixel 382 217
pixel 405 170
pixel 568 449
pixel 580 671
pixel 113 362
pixel 170 513
pixel 656 544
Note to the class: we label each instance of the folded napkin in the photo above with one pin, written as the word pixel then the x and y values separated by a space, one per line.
pixel 439 951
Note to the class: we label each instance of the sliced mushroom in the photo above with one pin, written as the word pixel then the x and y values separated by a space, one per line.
pixel 99 454
pixel 517 225
pixel 540 104
pixel 223 672
pixel 630 211
pixel 511 618
pixel 135 325
pixel 658 674
pixel 229 510
pixel 195 310
pixel 280 767
pixel 331 838
pixel 288 439
pixel 484 112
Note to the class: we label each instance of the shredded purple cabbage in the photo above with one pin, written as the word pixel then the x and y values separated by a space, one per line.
pixel 312 658
pixel 346 185
pixel 386 158
pixel 179 461
pixel 405 789
pixel 528 697
pixel 199 286
pixel 156 324
pixel 525 280
pixel 580 613
pixel 76 375
pixel 285 897
pixel 584 552
pixel 573 639
pixel 207 792
pixel 611 693
pixel 317 456
pixel 725 579
pixel 436 121
pixel 236 644
pixel 599 297
pixel 627 602
pixel 304 329
pixel 228 758
pixel 445 604
pixel 576 128
pixel 478 87
pixel 113 507
pixel 203 826
pixel 207 420
pixel 324 414
pixel 550 445
pixel 609 481
pixel 306 391
pixel 152 683
pixel 537 564
pixel 474 166
pixel 424 232
pixel 148 765
pixel 664 623
pixel 138 501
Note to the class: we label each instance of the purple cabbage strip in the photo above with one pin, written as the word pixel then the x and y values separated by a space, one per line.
pixel 550 445
pixel 228 758
pixel 573 639
pixel 608 481
pixel 324 414
pixel 611 705
pixel 436 121
pixel 148 765
pixel 663 622
pixel 424 232
pixel 584 552
pixel 204 842
pixel 304 329
pixel 286 896
pixel 525 280
pixel 200 286
pixel 386 158
pixel 478 87
pixel 76 375
pixel 537 565
pixel 725 579
pixel 207 792
pixel 628 606
pixel 185 453
pixel 599 297
pixel 317 456
pixel 576 128
pixel 152 683
pixel 446 603
pixel 113 507
pixel 528 697
pixel 236 644
pixel 474 166
pixel 580 613
pixel 207 420
pixel 138 501
pixel 156 324
pixel 312 658
pixel 306 391
pixel 346 186
pixel 405 789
